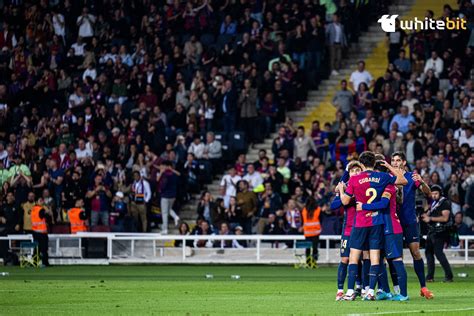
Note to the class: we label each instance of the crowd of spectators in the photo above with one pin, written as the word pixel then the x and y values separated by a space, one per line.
pixel 423 105
pixel 131 106
pixel 116 105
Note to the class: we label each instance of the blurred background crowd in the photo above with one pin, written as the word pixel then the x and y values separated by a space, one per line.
pixel 128 109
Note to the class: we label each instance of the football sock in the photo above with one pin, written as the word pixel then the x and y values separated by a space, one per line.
pixel 365 273
pixel 341 275
pixel 359 275
pixel 419 266
pixel 352 275
pixel 402 276
pixel 373 275
pixel 393 274
pixel 383 279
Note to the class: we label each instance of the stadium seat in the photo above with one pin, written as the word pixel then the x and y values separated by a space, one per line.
pixel 227 153
pixel 60 229
pixel 223 39
pixel 207 39
pixel 221 136
pixel 205 171
pixel 237 141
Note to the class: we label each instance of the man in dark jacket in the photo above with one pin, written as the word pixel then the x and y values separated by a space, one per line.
pixel 269 202
pixel 73 191
pixel 228 106
pixel 9 222
pixel 168 184
pixel 10 215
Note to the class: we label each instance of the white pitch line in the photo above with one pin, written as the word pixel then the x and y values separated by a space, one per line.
pixel 417 311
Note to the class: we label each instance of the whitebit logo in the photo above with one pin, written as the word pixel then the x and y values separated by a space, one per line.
pixel 387 22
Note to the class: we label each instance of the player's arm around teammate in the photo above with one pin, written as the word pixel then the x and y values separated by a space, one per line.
pixel 409 218
pixel 415 246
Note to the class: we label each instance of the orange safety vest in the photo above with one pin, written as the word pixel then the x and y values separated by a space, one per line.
pixel 311 226
pixel 77 224
pixel 38 224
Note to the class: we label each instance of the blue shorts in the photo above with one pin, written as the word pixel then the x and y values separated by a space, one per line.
pixel 393 246
pixel 370 236
pixel 411 233
pixel 345 246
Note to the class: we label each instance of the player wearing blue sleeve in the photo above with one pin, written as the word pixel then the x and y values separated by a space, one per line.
pixel 367 187
pixel 354 168
pixel 393 243
pixel 409 218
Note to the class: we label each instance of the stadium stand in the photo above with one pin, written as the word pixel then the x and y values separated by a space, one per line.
pixel 91 93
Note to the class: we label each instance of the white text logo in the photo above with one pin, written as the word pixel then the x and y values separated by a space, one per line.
pixel 388 24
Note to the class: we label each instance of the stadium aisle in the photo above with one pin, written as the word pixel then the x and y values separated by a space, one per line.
pixel 375 63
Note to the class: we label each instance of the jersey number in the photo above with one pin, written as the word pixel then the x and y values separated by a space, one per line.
pixel 372 193
pixel 344 244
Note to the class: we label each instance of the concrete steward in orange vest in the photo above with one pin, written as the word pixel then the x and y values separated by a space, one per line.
pixel 38 224
pixel 311 226
pixel 77 224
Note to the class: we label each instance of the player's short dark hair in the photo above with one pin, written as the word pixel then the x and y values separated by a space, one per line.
pixel 379 157
pixel 380 167
pixel 400 154
pixel 367 159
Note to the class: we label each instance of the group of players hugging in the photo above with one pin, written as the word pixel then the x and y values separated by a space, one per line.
pixel 379 215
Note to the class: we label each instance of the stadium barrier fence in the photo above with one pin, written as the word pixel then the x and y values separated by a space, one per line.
pixel 128 248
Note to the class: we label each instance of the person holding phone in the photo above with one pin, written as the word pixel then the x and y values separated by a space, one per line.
pixel 99 196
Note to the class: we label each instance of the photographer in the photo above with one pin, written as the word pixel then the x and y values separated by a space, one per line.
pixel 440 220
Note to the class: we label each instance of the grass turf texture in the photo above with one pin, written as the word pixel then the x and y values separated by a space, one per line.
pixel 180 290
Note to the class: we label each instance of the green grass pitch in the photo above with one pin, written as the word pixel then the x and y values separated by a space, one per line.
pixel 184 290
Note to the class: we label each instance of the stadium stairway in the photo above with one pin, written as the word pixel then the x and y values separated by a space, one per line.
pixel 371 48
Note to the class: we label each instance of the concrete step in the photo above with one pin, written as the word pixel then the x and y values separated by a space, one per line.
pixel 365 50
pixel 330 81
pixel 371 38
pixel 308 110
pixel 315 99
pixel 324 86
pixel 255 158
pixel 298 116
pixel 262 146
pixel 315 95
